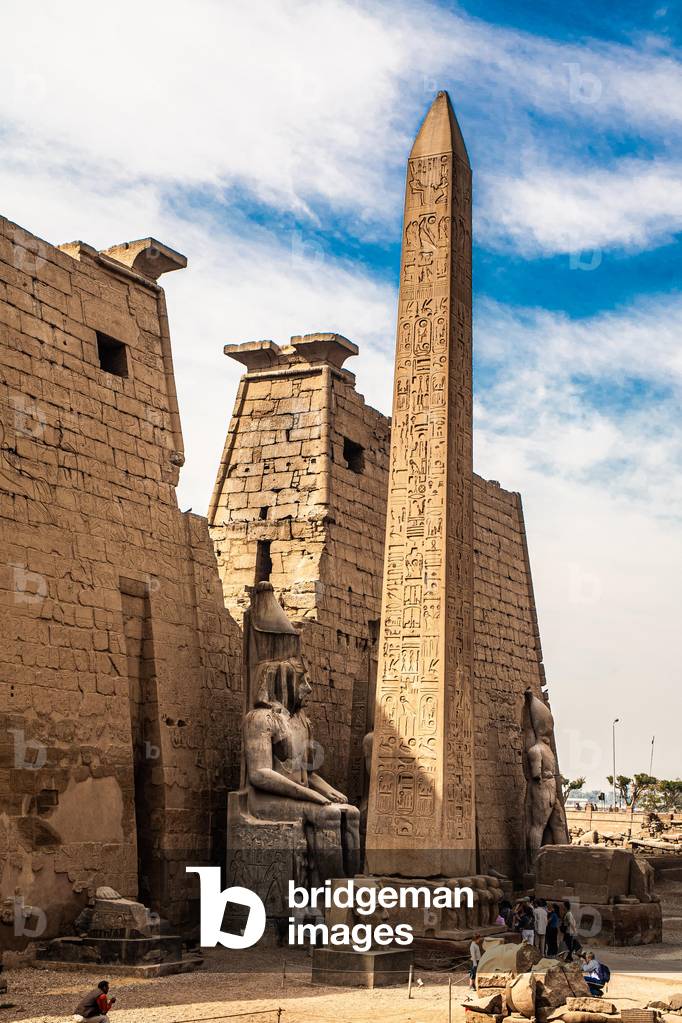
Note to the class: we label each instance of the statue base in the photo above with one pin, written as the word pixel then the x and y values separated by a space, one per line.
pixel 120 934
pixel 611 892
pixel 264 855
pixel 335 967
pixel 439 933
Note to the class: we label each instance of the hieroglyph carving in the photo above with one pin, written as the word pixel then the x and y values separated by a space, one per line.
pixel 423 794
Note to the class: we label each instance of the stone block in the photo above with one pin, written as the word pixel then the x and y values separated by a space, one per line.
pixel 591 875
pixel 263 855
pixel 346 968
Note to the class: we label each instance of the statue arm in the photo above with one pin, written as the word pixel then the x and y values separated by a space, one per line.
pixel 260 773
pixel 535 763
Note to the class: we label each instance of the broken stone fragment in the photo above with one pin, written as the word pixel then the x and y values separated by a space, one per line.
pixel 520 994
pixel 488 1004
pixel 573 1016
pixel 590 1004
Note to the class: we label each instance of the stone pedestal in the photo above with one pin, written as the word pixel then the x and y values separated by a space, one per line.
pixel 452 925
pixel 346 968
pixel 263 855
pixel 123 935
pixel 611 893
pixel 636 923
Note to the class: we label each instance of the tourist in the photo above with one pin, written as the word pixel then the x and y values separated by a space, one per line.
pixel 506 912
pixel 475 951
pixel 540 924
pixel 552 935
pixel 526 923
pixel 569 929
pixel 596 974
pixel 95 1005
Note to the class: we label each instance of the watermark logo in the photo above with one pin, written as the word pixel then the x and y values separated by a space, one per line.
pixel 212 908
pixel 583 86
pixel 29 754
pixel 29 921
pixel 29 587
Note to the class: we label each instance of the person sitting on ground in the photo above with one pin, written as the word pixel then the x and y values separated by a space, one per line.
pixel 95 1005
pixel 596 974
pixel 475 951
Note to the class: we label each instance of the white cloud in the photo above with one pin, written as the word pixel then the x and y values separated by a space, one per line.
pixel 285 100
pixel 572 398
pixel 298 102
pixel 636 205
pixel 602 492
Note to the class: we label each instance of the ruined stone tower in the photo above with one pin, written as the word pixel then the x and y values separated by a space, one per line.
pixel 300 501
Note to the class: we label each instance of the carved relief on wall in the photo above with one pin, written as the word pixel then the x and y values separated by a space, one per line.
pixel 425 670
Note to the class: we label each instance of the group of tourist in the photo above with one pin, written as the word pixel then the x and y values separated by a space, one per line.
pixel 545 925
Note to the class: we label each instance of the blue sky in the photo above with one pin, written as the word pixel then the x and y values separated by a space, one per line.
pixel 268 142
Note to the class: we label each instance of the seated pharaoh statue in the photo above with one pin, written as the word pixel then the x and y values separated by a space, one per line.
pixel 287 822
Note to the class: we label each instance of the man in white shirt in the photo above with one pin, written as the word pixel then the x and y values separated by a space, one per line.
pixel 540 917
pixel 475 951
pixel 569 928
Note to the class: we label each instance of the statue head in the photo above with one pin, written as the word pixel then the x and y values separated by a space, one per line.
pixel 283 682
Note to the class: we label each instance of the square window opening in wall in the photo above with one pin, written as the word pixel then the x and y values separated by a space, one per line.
pixel 353 455
pixel 113 355
pixel 263 562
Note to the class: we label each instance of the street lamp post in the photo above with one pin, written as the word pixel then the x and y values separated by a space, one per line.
pixel 615 722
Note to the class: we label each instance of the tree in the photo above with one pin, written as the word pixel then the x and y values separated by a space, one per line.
pixel 622 787
pixel 568 786
pixel 631 790
pixel 665 797
pixel 670 795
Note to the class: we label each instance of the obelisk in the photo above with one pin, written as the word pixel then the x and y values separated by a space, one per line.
pixel 421 818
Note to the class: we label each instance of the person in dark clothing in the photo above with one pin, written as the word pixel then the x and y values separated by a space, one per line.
pixel 95 1005
pixel 506 912
pixel 552 938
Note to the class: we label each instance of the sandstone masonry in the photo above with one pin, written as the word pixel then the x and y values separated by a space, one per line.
pixel 120 667
pixel 300 499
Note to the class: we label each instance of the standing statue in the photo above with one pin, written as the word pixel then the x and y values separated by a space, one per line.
pixel 545 817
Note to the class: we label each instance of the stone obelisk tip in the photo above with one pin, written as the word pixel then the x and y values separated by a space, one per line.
pixel 440 132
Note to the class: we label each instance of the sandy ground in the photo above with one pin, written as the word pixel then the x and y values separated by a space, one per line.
pixel 251 986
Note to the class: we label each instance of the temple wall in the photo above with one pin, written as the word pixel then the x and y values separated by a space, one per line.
pixel 327 563
pixel 120 667
pixel 507 659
